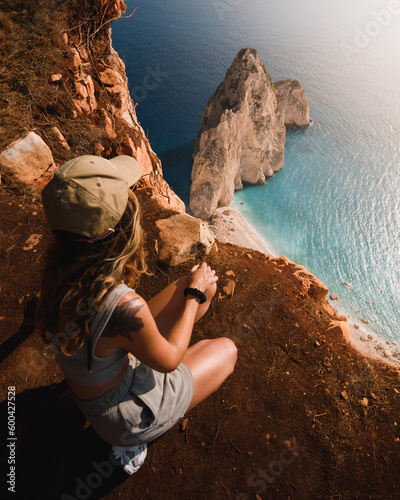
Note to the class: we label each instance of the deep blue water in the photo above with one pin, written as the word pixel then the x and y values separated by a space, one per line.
pixel 335 205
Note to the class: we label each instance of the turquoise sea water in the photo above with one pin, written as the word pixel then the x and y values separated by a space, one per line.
pixel 335 205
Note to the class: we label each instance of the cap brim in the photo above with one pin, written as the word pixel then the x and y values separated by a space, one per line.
pixel 129 167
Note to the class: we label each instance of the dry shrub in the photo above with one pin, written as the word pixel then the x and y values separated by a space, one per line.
pixel 31 50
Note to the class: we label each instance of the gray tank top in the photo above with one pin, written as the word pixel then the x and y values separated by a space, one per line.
pixel 75 367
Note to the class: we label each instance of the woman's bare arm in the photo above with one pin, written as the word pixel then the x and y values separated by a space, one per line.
pixel 134 329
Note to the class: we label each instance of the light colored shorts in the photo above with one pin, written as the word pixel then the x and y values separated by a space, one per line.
pixel 141 407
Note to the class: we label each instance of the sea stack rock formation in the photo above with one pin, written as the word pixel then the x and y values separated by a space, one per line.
pixel 294 103
pixel 241 137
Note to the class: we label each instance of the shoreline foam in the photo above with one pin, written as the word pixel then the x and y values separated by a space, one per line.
pixel 230 226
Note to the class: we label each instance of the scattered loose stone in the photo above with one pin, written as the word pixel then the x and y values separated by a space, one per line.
pixel 228 290
pixel 365 321
pixel 333 296
pixel 356 326
pixel 184 423
pixel 364 402
pixel 374 397
pixel 248 256
pixel 56 77
pixel 347 284
pixel 230 273
pixel 363 338
pixel 370 337
pixel 344 395
pixel 31 242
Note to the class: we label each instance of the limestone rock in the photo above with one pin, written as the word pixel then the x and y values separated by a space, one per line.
pixel 59 138
pixel 28 158
pixel 341 328
pixel 294 102
pixel 241 137
pixel 182 238
pixel 228 290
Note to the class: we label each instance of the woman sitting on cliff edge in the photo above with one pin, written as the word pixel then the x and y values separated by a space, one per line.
pixel 127 361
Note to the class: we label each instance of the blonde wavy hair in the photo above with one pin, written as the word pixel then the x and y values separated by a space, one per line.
pixel 78 273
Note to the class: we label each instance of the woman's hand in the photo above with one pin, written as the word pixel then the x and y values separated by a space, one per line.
pixel 202 277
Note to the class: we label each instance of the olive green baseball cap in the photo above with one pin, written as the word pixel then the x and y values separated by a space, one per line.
pixel 89 194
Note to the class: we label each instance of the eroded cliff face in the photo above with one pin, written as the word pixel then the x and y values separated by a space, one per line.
pixel 241 137
pixel 96 76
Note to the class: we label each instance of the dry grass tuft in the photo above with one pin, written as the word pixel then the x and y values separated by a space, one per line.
pixel 31 50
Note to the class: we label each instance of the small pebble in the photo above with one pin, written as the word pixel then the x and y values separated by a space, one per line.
pixel 364 402
pixel 363 338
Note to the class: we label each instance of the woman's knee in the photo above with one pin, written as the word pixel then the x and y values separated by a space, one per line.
pixel 232 351
pixel 211 291
pixel 228 352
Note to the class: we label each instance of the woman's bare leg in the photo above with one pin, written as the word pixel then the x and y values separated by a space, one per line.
pixel 168 304
pixel 211 361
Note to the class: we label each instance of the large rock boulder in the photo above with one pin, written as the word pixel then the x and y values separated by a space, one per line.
pixel 294 103
pixel 241 137
pixel 182 238
pixel 29 159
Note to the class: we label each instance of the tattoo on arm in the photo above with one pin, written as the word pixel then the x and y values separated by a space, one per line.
pixel 123 320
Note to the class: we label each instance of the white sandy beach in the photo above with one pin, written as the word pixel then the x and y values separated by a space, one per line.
pixel 229 226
